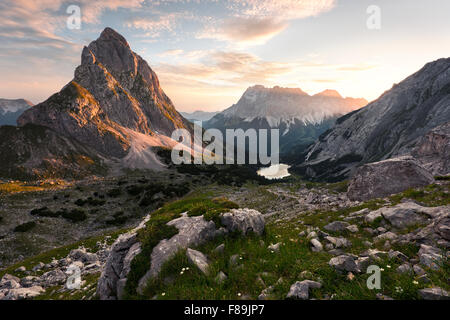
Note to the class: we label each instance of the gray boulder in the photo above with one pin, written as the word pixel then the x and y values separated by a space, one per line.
pixel 344 263
pixel 337 226
pixel 300 289
pixel 435 293
pixel 384 178
pixel 244 220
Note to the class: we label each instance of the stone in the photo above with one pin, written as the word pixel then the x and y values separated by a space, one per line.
pixel 82 255
pixel 397 255
pixel 23 293
pixel 29 281
pixel 387 177
pixel 430 256
pixel 375 254
pixel 352 228
pixel 220 278
pixel 418 270
pixel 312 235
pixel 134 250
pixel 338 242
pixel 220 249
pixel 275 247
pixel 38 267
pixel 386 236
pixel 244 221
pixel 362 263
pixel 21 269
pixel 316 245
pixel 198 259
pixel 53 277
pixel 234 260
pixel 300 289
pixel 434 293
pixel 405 214
pixel 192 231
pixel 344 263
pixel 404 268
pixel 337 226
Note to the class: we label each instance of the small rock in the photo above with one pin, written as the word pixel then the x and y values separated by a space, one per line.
pixel 418 270
pixel 434 293
pixel 344 263
pixel 220 248
pixel 275 247
pixel 300 289
pixel 404 268
pixel 21 269
pixel 352 228
pixel 221 277
pixel 316 245
pixel 199 259
pixel 337 226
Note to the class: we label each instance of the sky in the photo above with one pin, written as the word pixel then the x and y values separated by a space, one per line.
pixel 207 52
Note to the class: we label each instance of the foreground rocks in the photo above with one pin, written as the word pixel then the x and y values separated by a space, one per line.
pixel 384 178
pixel 192 231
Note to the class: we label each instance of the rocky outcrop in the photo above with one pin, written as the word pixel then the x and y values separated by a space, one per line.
pixel 433 150
pixel 192 231
pixel 114 97
pixel 388 127
pixel 384 178
pixel 244 221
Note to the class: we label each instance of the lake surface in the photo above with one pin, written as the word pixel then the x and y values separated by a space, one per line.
pixel 276 171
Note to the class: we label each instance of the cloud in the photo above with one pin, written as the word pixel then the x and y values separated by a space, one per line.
pixel 244 30
pixel 287 9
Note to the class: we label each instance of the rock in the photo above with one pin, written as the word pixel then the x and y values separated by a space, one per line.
pixel 337 226
pixel 372 216
pixel 220 249
pixel 300 289
pixel 362 263
pixel 82 255
pixel 434 293
pixel 381 296
pixel 243 220
pixel 397 255
pixel 404 214
pixel 134 250
pixel 316 245
pixel 9 284
pixel 192 231
pixel 430 256
pixel 424 279
pixel 338 242
pixel 265 294
pixel 38 267
pixel 344 263
pixel 386 236
pixel 375 254
pixel 404 268
pixel 352 228
pixel 275 247
pixel 312 235
pixel 8 277
pixel 29 281
pixel 23 293
pixel 234 260
pixel 107 284
pixel 418 270
pixel 21 269
pixel 198 259
pixel 387 177
pixel 52 278
pixel 220 278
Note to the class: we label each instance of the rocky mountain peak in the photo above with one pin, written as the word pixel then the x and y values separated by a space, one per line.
pixel 329 93
pixel 114 94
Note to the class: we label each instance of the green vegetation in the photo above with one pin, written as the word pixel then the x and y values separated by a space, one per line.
pixel 24 227
pixel 157 229
pixel 432 195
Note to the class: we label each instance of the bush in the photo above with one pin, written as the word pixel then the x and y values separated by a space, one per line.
pixel 44 212
pixel 114 193
pixel 75 215
pixel 24 227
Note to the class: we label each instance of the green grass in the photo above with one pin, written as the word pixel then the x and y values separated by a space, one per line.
pixel 157 229
pixel 432 195
pixel 61 252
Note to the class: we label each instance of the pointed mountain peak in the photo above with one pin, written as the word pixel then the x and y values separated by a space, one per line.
pixel 109 34
pixel 329 93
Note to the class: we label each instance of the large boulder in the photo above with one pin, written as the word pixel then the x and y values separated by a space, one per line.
pixel 384 178
pixel 244 220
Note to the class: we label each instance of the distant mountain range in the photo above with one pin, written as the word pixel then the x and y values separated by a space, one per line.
pixel 199 115
pixel 301 118
pixel 10 110
pixel 411 118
